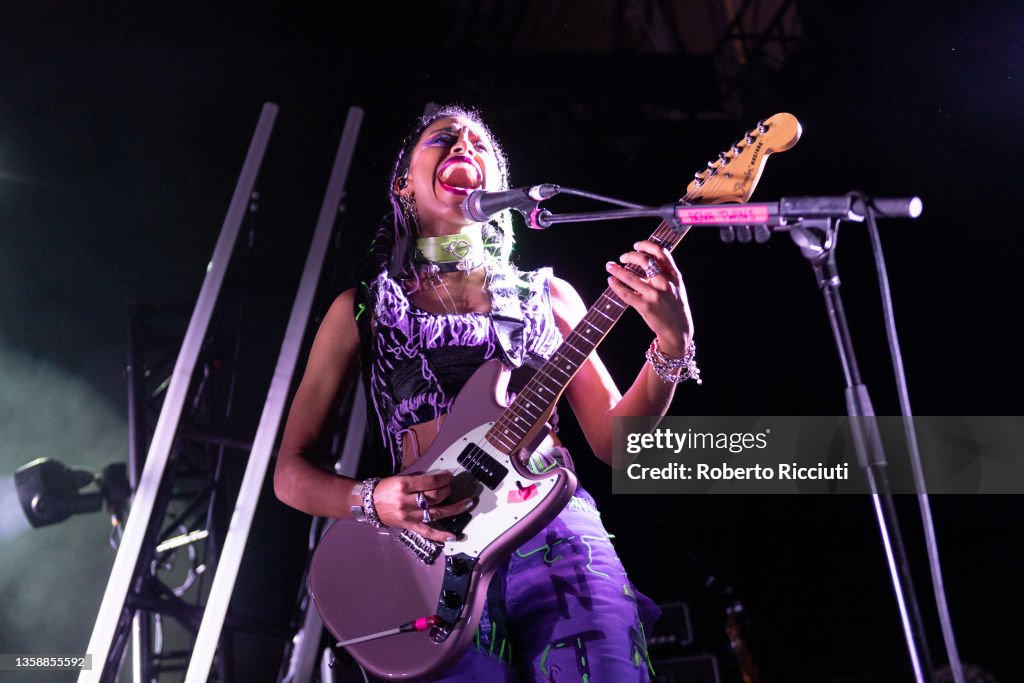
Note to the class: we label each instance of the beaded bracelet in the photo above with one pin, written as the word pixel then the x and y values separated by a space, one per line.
pixel 674 370
pixel 368 513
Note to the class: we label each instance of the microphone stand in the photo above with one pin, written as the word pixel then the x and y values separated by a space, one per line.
pixel 817 240
pixel 812 223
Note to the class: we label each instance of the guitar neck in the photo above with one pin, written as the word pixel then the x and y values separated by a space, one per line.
pixel 531 405
pixel 729 178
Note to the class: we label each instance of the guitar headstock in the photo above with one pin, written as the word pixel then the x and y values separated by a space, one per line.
pixel 732 177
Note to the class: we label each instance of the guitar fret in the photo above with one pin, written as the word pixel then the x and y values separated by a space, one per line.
pixel 522 424
pixel 533 400
pixel 568 343
pixel 500 435
pixel 495 440
pixel 526 407
pixel 588 345
pixel 609 299
pixel 567 375
pixel 601 329
pixel 568 362
pixel 589 324
pixel 547 374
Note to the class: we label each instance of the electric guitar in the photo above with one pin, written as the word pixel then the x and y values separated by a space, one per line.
pixel 404 606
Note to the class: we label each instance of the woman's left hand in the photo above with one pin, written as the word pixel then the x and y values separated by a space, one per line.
pixel 660 298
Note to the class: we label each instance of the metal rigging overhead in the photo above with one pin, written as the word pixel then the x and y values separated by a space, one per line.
pixel 730 41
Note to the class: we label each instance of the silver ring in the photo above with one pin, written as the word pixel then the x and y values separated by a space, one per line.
pixel 421 500
pixel 652 269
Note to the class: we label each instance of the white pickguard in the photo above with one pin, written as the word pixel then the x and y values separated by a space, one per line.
pixel 493 514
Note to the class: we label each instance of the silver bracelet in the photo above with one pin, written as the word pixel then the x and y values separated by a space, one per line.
pixel 674 370
pixel 367 512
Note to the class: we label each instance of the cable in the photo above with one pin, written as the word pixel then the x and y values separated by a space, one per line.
pixel 931 542
pixel 600 198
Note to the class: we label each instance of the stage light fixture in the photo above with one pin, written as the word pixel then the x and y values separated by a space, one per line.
pixel 49 491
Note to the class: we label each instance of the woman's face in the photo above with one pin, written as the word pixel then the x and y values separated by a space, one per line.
pixel 452 158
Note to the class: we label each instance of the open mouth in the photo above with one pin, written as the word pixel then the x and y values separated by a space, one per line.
pixel 460 175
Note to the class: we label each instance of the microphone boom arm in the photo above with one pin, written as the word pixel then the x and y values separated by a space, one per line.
pixel 777 215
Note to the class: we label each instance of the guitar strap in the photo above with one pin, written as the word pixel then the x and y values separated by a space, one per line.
pixel 363 313
pixel 507 316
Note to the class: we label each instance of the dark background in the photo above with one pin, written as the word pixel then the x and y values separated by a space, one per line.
pixel 121 136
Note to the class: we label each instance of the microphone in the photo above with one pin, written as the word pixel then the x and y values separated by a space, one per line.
pixel 480 205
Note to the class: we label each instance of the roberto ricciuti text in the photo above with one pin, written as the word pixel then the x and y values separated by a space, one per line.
pixel 724 472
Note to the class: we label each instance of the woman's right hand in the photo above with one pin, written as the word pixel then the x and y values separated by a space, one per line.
pixel 396 502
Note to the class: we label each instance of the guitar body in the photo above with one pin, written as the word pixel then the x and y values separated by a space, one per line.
pixel 365 580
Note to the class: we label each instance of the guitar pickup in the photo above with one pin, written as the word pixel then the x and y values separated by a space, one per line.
pixel 486 469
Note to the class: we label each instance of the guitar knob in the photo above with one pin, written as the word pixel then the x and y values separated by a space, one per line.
pixel 451 599
pixel 743 234
pixel 727 234
pixel 459 567
pixel 761 234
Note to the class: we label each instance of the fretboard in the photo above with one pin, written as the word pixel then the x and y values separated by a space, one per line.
pixel 531 405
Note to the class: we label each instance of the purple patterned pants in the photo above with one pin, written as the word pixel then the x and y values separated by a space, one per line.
pixel 561 609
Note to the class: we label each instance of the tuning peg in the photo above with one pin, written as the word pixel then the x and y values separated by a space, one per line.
pixel 743 234
pixel 750 138
pixel 761 234
pixel 727 234
pixel 761 127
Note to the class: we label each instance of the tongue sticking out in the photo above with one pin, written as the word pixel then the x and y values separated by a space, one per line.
pixel 460 175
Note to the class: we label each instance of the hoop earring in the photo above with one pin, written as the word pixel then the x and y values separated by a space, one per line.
pixel 403 181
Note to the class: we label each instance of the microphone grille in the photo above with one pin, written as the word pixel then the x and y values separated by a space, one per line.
pixel 471 206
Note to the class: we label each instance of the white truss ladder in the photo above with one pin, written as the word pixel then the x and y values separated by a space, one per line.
pixel 113 604
pixel 273 410
pixel 305 653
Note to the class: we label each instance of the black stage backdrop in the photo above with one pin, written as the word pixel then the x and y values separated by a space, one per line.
pixel 120 141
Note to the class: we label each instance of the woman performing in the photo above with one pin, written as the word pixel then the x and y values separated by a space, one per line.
pixel 442 298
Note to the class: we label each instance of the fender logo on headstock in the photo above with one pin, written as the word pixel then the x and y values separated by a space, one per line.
pixel 719 182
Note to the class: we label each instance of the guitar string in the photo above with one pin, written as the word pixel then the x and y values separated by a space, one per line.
pixel 664 235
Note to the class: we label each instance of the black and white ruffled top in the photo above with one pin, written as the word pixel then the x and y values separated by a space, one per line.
pixel 421 360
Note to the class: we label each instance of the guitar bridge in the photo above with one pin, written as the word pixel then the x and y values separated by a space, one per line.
pixel 425 550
